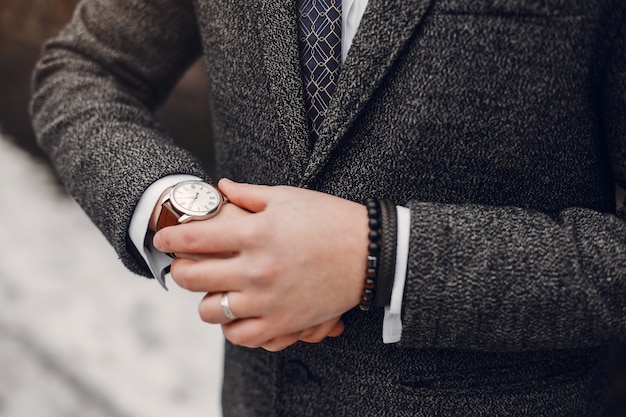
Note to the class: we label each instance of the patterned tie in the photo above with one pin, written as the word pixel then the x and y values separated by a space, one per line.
pixel 319 30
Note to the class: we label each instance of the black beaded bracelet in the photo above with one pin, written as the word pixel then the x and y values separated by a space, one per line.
pixel 369 287
pixel 387 256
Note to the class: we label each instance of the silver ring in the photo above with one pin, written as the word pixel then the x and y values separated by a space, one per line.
pixel 226 307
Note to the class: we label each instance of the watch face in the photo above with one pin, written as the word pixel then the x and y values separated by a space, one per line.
pixel 195 198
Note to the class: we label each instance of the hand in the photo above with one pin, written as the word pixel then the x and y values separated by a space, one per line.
pixel 315 334
pixel 292 261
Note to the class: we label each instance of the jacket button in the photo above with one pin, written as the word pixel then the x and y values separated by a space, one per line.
pixel 295 372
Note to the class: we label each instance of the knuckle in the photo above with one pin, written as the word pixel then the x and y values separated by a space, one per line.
pixel 183 275
pixel 177 272
pixel 314 338
pixel 280 343
pixel 231 334
pixel 236 339
pixel 252 232
pixel 250 338
pixel 261 273
pixel 191 238
pixel 165 238
pixel 206 314
pixel 273 348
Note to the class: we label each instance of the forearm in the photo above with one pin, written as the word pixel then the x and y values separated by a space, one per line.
pixel 95 90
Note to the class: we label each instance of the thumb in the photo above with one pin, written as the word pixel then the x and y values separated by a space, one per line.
pixel 253 198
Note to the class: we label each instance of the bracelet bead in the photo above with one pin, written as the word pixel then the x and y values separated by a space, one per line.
pixel 374 236
pixel 373 248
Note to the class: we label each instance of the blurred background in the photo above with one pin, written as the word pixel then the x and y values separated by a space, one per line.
pixel 79 335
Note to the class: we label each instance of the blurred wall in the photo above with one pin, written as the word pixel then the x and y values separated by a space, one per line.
pixel 33 20
pixel 26 24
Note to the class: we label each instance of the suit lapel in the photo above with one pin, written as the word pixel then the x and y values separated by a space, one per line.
pixel 384 29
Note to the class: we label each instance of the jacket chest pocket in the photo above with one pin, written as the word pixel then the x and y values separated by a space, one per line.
pixel 547 8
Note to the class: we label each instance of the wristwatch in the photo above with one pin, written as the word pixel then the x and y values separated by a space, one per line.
pixel 184 202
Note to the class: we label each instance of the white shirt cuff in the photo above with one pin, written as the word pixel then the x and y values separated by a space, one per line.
pixel 158 262
pixel 392 323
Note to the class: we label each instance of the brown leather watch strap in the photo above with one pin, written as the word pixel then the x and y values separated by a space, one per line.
pixel 156 212
pixel 167 217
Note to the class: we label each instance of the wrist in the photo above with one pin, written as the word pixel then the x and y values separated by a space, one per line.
pixel 380 266
pixel 186 201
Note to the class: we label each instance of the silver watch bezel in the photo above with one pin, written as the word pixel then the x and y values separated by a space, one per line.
pixel 187 215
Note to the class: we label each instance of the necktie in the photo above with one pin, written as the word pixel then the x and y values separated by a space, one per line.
pixel 319 31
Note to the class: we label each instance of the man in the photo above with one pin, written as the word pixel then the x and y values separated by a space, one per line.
pixel 499 126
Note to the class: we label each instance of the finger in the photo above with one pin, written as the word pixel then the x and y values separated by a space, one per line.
pixel 212 311
pixel 248 196
pixel 216 235
pixel 198 238
pixel 207 275
pixel 338 329
pixel 252 332
pixel 281 342
pixel 318 333
pixel 203 256
pixel 256 331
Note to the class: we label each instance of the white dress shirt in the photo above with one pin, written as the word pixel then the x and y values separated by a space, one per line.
pixel 158 262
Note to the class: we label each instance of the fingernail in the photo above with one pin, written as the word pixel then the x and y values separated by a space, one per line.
pixel 156 241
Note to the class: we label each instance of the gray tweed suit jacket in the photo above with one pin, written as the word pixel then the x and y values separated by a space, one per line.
pixel 500 124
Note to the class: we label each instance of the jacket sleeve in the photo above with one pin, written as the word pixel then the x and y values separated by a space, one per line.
pixel 95 90
pixel 505 278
